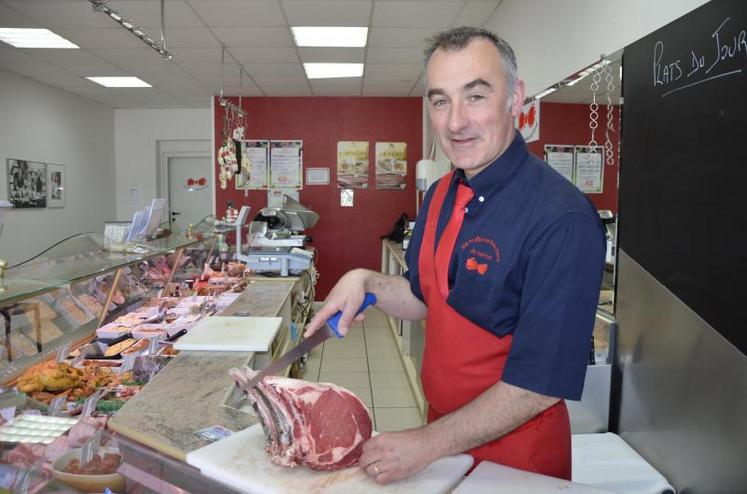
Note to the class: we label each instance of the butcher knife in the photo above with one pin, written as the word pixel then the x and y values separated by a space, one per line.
pixel 327 330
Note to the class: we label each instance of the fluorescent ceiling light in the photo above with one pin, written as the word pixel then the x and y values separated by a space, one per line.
pixel 119 81
pixel 330 36
pixel 33 38
pixel 546 92
pixel 587 72
pixel 573 82
pixel 333 70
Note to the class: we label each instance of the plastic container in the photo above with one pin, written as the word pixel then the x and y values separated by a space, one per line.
pixel 87 483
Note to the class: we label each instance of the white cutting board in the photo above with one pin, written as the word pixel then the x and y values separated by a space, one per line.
pixel 240 462
pixel 492 478
pixel 231 334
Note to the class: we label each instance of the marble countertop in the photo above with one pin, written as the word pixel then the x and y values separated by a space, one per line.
pixel 186 395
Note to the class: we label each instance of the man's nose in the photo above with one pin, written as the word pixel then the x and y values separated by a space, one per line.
pixel 457 117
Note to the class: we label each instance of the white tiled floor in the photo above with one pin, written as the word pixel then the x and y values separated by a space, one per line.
pixel 367 363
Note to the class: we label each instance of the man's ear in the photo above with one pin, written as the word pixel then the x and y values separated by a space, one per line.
pixel 517 99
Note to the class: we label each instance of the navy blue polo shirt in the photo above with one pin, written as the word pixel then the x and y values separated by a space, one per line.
pixel 528 260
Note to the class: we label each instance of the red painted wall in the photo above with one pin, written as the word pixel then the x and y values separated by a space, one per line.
pixel 569 124
pixel 345 238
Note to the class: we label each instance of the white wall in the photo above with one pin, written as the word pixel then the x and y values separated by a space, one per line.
pixel 555 39
pixel 41 123
pixel 137 137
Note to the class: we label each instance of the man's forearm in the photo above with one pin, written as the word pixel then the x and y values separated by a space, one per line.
pixel 496 412
pixel 394 296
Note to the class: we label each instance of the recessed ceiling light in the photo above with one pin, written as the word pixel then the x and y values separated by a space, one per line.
pixel 333 70
pixel 33 38
pixel 330 36
pixel 119 81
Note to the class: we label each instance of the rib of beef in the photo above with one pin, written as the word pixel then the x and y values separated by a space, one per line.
pixel 318 425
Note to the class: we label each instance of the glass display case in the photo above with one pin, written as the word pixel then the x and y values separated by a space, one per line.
pixel 59 298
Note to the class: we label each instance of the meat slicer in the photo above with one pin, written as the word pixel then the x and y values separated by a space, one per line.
pixel 276 239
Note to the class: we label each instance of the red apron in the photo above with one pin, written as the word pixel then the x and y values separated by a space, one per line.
pixel 461 360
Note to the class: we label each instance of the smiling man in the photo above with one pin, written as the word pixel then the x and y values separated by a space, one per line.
pixel 505 265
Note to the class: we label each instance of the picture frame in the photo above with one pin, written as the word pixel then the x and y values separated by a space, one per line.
pixel 55 185
pixel 27 183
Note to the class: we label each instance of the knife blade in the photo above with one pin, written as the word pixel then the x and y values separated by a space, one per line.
pixel 328 330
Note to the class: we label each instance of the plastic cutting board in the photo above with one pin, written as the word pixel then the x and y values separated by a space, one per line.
pixel 492 478
pixel 228 334
pixel 240 462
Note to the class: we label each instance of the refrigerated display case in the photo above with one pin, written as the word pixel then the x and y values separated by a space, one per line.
pixel 57 299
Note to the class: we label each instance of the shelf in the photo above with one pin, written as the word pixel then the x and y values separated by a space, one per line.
pixel 77 258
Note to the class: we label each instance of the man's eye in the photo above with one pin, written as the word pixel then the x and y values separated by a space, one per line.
pixel 438 103
pixel 476 98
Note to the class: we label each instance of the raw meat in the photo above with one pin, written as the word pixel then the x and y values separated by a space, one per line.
pixel 321 426
pixel 26 455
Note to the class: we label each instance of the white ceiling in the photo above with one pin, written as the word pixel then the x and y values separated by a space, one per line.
pixel 256 34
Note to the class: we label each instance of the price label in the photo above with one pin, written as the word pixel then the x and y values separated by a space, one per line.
pixel 90 405
pixel 63 352
pixel 55 406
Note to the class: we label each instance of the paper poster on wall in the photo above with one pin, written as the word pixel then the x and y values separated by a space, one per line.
pixel 352 165
pixel 286 163
pixel 528 121
pixel 391 165
pixel 254 165
pixel 560 158
pixel 275 197
pixel 589 171
pixel 317 176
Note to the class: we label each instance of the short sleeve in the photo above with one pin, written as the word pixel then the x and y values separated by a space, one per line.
pixel 564 267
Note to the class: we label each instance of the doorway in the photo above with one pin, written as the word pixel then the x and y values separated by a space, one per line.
pixel 190 190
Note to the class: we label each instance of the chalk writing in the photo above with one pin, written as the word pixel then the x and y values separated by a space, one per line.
pixel 727 45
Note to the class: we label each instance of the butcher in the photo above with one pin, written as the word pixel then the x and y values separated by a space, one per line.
pixel 505 266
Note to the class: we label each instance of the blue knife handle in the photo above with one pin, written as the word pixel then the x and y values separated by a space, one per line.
pixel 332 322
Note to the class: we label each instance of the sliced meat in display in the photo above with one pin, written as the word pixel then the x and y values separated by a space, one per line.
pixel 317 425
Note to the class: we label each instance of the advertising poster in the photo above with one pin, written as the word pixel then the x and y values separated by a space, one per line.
pixel 254 165
pixel 352 165
pixel 286 163
pixel 391 165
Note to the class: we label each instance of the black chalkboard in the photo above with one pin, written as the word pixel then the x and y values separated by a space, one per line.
pixel 683 171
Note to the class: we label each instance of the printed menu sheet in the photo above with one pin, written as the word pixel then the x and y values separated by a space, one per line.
pixel 286 163
pixel 560 158
pixel 254 165
pixel 589 170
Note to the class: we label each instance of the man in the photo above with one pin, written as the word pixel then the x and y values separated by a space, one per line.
pixel 505 265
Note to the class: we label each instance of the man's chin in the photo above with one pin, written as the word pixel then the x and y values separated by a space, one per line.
pixel 464 165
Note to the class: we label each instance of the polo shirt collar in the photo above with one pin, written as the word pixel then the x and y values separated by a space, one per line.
pixel 495 176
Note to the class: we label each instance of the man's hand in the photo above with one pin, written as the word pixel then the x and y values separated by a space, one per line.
pixel 346 297
pixel 395 455
pixel 496 412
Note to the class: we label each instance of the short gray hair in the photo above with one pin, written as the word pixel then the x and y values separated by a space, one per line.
pixel 458 37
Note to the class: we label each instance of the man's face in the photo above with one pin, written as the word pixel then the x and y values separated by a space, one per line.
pixel 471 112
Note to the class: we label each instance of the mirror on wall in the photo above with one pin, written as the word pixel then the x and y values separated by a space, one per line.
pixel 567 123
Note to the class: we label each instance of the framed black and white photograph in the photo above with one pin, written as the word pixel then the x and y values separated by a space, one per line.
pixel 55 185
pixel 27 183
